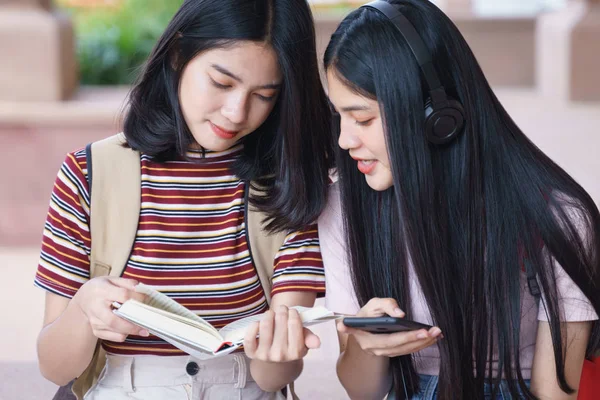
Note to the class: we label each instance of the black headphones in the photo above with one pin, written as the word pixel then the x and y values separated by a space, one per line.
pixel 444 116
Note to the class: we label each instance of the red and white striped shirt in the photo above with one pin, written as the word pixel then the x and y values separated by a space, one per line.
pixel 190 243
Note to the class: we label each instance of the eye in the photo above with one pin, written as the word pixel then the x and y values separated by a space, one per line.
pixel 364 123
pixel 219 85
pixel 265 98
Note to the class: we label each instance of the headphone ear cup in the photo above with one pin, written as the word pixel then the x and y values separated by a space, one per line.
pixel 444 124
pixel 428 109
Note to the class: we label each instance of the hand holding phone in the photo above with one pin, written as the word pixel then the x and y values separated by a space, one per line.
pixel 384 316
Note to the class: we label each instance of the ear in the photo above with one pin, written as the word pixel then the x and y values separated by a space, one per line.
pixel 174 51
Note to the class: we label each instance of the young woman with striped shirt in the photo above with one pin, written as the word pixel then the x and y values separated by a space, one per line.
pixel 231 93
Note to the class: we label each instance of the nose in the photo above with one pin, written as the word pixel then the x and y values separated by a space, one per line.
pixel 348 139
pixel 235 108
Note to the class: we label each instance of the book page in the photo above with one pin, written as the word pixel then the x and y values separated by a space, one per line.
pixel 163 302
pixel 235 331
pixel 163 324
pixel 198 325
pixel 194 349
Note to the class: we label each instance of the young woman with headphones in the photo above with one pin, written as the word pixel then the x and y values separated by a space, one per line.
pixel 452 218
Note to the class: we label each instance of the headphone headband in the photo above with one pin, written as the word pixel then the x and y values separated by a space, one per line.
pixel 416 45
pixel 444 117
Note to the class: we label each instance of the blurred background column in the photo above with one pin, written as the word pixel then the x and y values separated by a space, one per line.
pixel 569 52
pixel 500 34
pixel 456 6
pixel 37 50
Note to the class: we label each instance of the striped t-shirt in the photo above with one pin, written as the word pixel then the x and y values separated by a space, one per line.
pixel 190 243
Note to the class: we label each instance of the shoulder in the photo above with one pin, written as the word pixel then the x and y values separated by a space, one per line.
pixel 74 171
pixel 332 213
pixel 330 223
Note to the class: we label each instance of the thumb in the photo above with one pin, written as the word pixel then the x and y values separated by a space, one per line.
pixel 391 308
pixel 311 340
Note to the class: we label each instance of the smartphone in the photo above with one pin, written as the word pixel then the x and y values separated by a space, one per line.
pixel 384 324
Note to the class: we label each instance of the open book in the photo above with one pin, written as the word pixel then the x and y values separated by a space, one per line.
pixel 172 322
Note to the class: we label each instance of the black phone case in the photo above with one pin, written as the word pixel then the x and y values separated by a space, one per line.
pixel 384 324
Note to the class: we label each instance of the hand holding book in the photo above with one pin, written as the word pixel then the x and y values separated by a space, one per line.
pixel 172 322
pixel 94 299
pixel 279 337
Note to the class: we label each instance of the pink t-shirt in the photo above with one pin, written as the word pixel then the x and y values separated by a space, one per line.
pixel 341 298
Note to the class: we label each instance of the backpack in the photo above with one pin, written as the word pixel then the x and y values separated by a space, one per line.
pixel 114 214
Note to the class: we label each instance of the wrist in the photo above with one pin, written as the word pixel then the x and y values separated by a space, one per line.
pixel 354 350
pixel 274 376
pixel 75 307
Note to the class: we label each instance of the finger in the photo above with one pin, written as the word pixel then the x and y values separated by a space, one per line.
pixel 110 336
pixel 116 336
pixel 390 307
pixel 410 336
pixel 280 335
pixel 121 295
pixel 410 348
pixel 138 296
pixel 398 345
pixel 117 294
pixel 379 342
pixel 296 338
pixel 117 324
pixel 265 333
pixel 311 340
pixel 251 340
pixel 435 332
pixel 377 307
pixel 110 321
pixel 120 325
pixel 124 283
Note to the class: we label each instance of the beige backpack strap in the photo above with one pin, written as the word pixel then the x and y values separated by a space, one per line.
pixel 263 245
pixel 114 205
pixel 114 177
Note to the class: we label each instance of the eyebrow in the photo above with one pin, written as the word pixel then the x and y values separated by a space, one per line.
pixel 238 79
pixel 355 108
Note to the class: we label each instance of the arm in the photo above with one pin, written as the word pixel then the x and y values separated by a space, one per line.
pixel 283 342
pixel 297 278
pixel 72 327
pixel 363 375
pixel 77 310
pixel 65 328
pixel 543 375
pixel 363 365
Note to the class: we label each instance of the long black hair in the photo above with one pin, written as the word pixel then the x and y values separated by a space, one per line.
pixel 289 154
pixel 468 215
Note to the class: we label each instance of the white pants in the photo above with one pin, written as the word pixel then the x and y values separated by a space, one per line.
pixel 177 378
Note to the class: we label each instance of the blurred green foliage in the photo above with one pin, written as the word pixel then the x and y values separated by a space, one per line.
pixel 115 37
pixel 114 42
